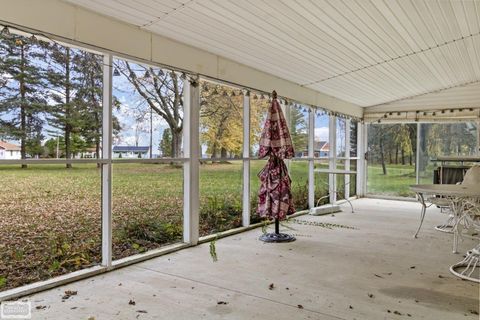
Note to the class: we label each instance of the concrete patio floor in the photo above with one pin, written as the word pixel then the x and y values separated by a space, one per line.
pixel 375 271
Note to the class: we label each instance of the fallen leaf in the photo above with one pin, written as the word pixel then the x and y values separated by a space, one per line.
pixel 271 286
pixel 378 276
pixel 371 295
pixel 68 294
pixel 299 306
pixel 131 302
pixel 222 302
pixel 142 311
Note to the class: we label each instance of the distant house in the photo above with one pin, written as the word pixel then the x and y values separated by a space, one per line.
pixel 88 153
pixel 9 151
pixel 320 149
pixel 130 152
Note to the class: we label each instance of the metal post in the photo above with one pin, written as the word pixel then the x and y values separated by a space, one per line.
pixel 191 194
pixel 332 162
pixel 246 159
pixel 107 167
pixel 311 153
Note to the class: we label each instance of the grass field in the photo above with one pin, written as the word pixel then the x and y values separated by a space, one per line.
pixel 50 217
pixel 395 183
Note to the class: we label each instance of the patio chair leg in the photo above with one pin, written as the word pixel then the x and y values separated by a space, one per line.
pixel 350 203
pixel 422 215
pixel 447 226
pixel 469 264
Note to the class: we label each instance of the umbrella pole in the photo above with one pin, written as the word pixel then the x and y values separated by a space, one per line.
pixel 277 226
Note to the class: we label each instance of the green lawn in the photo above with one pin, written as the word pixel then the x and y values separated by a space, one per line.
pixel 395 183
pixel 50 217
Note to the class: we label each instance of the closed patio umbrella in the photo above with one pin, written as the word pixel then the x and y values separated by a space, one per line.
pixel 275 196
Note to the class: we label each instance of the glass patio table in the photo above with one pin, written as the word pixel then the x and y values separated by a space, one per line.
pixel 462 200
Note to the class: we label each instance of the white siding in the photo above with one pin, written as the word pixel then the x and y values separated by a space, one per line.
pixel 9 155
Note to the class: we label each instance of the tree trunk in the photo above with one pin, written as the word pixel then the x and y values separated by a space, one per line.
pixel 68 127
pixel 176 143
pixel 396 155
pixel 382 157
pixel 23 111
pixel 214 150
pixel 403 157
pixel 223 153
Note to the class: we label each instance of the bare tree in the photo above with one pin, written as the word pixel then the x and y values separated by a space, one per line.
pixel 163 91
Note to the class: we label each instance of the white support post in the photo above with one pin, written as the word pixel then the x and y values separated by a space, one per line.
pixel 332 141
pixel 347 156
pixel 311 163
pixel 246 160
pixel 191 168
pixel 286 109
pixel 107 167
pixel 361 162
pixel 417 156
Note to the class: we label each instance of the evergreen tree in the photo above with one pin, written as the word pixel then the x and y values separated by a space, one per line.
pixel 22 98
pixel 166 143
pixel 89 99
pixel 65 117
pixel 298 129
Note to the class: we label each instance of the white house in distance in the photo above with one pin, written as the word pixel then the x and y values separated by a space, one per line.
pixel 9 151
pixel 131 152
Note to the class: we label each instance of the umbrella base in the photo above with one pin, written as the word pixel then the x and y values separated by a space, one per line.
pixel 277 237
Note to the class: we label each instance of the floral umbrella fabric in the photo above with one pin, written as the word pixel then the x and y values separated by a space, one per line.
pixel 275 196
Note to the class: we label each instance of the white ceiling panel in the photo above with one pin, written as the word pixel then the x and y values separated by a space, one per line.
pixel 368 52
pixel 466 96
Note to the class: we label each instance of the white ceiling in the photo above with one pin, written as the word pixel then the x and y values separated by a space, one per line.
pixel 467 96
pixel 368 52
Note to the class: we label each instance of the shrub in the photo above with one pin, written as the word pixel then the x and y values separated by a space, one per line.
pixel 143 232
pixel 220 214
pixel 300 196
